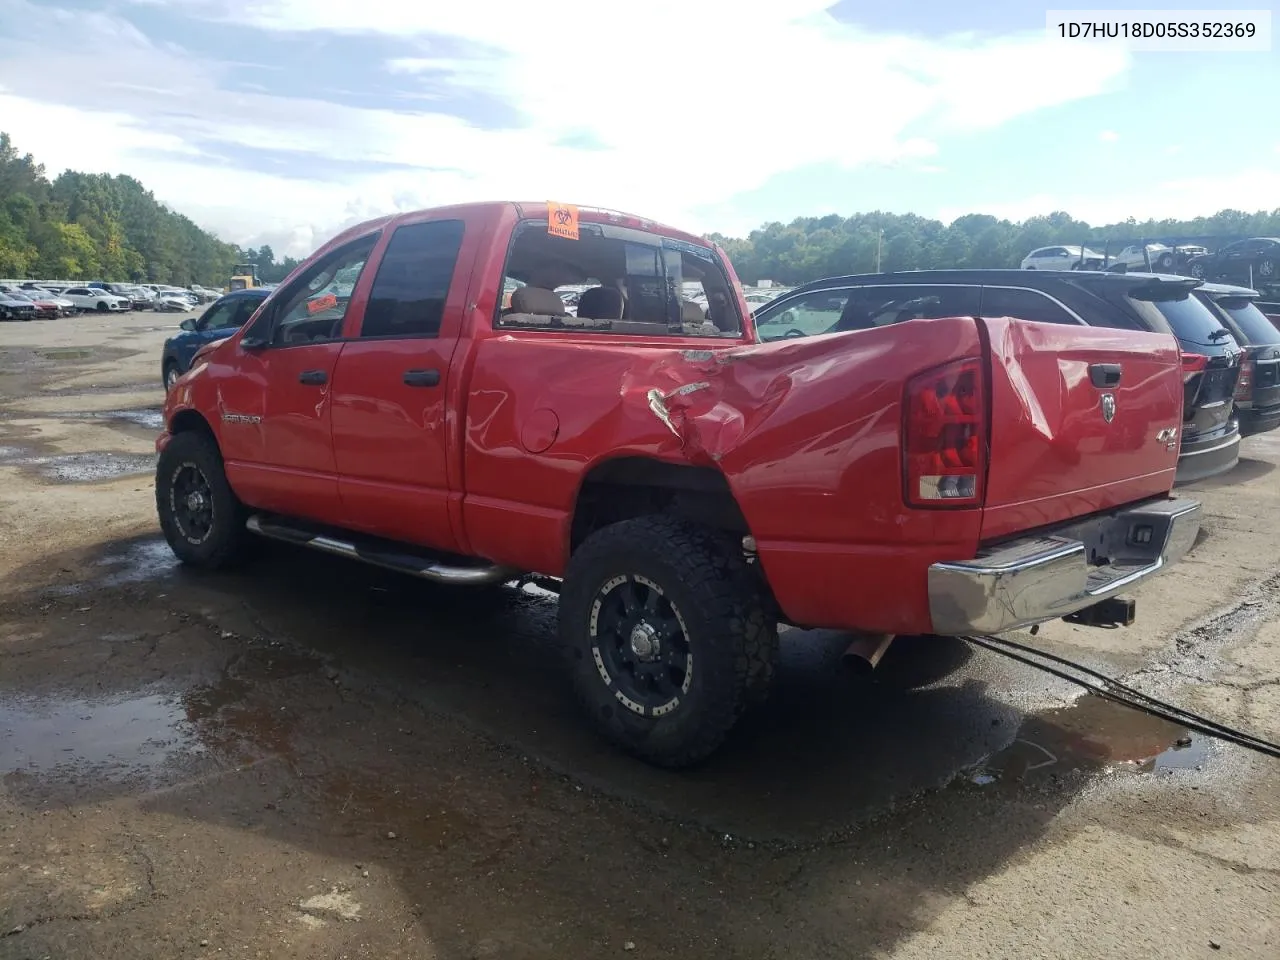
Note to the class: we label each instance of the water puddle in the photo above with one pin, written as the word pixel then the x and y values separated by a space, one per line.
pixel 66 354
pixel 1091 735
pixel 149 418
pixel 80 467
pixel 137 563
pixel 113 737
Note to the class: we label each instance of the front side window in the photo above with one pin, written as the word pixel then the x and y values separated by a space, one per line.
pixel 1023 305
pixel 616 279
pixel 413 280
pixel 219 315
pixel 314 306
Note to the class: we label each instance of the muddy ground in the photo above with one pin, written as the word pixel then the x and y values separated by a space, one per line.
pixel 316 760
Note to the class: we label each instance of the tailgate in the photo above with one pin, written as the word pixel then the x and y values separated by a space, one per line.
pixel 1083 419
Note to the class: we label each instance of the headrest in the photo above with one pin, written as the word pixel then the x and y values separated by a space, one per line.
pixel 539 301
pixel 690 312
pixel 601 303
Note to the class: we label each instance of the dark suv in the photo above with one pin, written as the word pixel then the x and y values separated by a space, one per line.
pixel 1210 442
pixel 1257 398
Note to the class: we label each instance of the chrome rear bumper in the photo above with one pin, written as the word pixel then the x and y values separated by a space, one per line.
pixel 1059 572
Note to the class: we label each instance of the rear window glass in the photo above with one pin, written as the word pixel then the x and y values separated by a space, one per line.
pixel 1188 318
pixel 1252 322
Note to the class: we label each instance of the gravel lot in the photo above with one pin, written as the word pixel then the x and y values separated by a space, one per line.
pixel 312 759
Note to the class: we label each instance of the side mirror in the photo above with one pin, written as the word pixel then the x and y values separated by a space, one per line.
pixel 252 343
pixel 188 324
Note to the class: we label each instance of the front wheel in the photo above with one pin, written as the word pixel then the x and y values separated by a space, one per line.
pixel 200 515
pixel 171 374
pixel 667 635
pixel 1267 268
pixel 1196 270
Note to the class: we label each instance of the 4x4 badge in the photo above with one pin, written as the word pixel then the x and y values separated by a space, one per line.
pixel 1108 407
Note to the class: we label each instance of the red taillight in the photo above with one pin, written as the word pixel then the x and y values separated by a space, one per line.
pixel 944 436
pixel 1244 385
pixel 1193 363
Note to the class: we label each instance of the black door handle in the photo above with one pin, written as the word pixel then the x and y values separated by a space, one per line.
pixel 313 378
pixel 422 378
pixel 1104 374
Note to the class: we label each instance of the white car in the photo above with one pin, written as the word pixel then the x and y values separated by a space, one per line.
pixel 1062 258
pixel 1162 257
pixel 174 302
pixel 90 298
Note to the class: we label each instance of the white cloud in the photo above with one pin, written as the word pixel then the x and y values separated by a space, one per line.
pixel 1108 136
pixel 1177 199
pixel 668 96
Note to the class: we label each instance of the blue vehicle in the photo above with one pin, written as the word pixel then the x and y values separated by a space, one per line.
pixel 224 317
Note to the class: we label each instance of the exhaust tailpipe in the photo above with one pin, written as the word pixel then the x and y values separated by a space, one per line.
pixel 864 653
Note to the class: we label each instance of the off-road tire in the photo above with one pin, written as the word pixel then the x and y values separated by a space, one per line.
pixel 227 542
pixel 733 642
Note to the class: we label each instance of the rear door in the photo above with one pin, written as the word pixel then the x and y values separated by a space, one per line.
pixel 390 406
pixel 1082 419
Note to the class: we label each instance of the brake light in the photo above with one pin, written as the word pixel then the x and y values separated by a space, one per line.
pixel 1193 363
pixel 1244 384
pixel 944 436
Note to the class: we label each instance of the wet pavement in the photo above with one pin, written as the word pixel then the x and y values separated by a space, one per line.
pixel 309 758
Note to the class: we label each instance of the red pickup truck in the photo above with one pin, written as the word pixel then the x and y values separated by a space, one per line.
pixel 685 487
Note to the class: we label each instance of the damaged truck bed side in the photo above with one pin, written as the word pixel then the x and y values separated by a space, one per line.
pixel 687 486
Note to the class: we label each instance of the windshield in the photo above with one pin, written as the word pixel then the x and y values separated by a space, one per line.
pixel 1189 319
pixel 1252 322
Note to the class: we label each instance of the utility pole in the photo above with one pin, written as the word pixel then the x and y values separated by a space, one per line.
pixel 879 239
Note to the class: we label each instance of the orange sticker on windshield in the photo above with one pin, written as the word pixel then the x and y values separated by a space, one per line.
pixel 322 303
pixel 562 220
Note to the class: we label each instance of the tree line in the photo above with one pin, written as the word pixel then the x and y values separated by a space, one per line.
pixel 82 226
pixel 812 247
pixel 85 226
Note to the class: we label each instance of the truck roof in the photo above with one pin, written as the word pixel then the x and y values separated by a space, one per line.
pixel 524 210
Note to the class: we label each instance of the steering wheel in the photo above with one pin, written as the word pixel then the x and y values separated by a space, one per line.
pixel 792 334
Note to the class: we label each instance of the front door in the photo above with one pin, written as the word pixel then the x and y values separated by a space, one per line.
pixel 390 391
pixel 276 410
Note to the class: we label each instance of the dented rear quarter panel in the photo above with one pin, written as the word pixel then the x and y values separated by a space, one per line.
pixel 805 431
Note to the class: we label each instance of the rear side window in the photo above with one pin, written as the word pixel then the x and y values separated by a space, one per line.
pixel 1023 305
pixel 413 279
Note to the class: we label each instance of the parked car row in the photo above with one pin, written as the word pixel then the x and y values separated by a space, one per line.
pixel 1230 350
pixel 47 299
pixel 1252 262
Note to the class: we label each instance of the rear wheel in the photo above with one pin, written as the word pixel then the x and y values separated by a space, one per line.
pixel 667 634
pixel 200 515
pixel 1164 261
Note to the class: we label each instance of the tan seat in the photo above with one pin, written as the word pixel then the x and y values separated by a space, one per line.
pixel 538 301
pixel 690 312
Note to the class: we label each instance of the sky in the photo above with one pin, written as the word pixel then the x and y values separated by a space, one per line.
pixel 284 121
